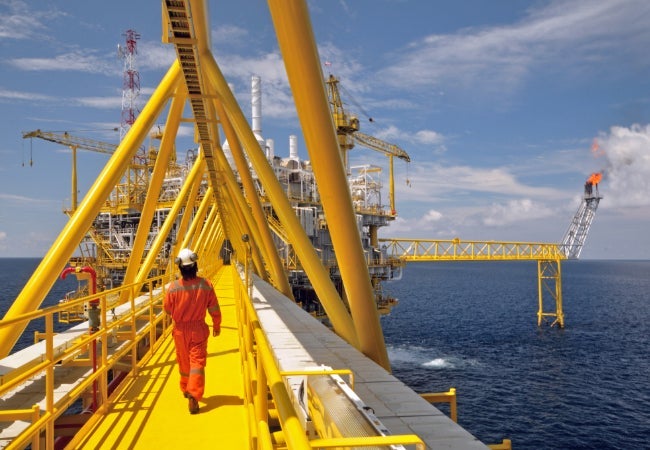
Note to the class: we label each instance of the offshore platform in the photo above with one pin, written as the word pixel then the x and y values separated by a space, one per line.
pixel 286 241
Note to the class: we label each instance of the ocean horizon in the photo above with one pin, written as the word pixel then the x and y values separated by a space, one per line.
pixel 473 326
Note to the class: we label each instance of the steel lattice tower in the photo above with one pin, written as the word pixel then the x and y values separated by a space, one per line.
pixel 576 235
pixel 131 81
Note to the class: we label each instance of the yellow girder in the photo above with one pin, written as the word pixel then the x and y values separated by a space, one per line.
pixel 458 250
pixel 548 257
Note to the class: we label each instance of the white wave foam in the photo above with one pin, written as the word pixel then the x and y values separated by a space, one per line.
pixel 438 363
pixel 426 357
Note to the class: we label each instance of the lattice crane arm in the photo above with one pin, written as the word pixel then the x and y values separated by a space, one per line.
pixel 347 130
pixel 381 146
pixel 72 141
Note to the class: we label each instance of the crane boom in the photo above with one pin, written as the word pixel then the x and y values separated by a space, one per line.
pixel 347 130
pixel 72 141
pixel 381 146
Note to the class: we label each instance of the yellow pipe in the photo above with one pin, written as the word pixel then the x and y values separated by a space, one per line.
pixel 185 218
pixel 270 250
pixel 192 177
pixel 213 230
pixel 245 221
pixel 210 221
pixel 293 431
pixel 391 191
pixel 155 184
pixel 298 46
pixel 334 307
pixel 73 199
pixel 198 219
pixel 64 246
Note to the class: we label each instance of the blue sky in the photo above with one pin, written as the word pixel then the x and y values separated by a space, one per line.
pixel 498 103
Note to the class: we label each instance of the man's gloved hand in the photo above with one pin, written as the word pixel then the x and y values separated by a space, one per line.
pixel 216 331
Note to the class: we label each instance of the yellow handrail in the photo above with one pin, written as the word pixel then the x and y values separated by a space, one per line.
pixel 444 397
pixel 77 352
pixel 261 372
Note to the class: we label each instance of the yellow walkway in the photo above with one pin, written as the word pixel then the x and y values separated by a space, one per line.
pixel 151 413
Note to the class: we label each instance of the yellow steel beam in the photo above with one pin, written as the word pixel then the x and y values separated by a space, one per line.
pixel 411 250
pixel 548 257
pixel 232 197
pixel 298 47
pixel 191 39
pixel 185 218
pixel 193 177
pixel 155 184
pixel 549 284
pixel 201 213
pixel 64 246
pixel 318 275
pixel 278 274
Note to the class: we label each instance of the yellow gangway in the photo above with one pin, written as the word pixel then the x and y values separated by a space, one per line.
pixel 151 412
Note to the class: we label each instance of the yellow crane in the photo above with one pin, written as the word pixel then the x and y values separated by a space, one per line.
pixel 347 130
pixel 74 143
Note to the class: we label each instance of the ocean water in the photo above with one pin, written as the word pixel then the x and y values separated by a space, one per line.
pixel 14 274
pixel 473 326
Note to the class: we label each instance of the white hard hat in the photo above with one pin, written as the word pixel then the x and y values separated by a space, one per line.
pixel 186 257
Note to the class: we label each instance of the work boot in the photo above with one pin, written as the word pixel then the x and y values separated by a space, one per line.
pixel 193 405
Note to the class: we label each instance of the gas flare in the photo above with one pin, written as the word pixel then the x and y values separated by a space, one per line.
pixel 595 178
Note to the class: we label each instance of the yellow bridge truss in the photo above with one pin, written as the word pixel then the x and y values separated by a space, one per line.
pixel 548 257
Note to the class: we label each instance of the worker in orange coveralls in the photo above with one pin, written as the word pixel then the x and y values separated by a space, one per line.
pixel 186 301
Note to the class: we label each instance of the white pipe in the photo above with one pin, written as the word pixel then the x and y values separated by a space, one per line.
pixel 293 147
pixel 270 149
pixel 256 103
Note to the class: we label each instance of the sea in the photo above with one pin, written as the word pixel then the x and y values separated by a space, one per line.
pixel 473 326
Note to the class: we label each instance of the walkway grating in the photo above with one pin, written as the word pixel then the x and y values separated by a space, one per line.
pixel 151 412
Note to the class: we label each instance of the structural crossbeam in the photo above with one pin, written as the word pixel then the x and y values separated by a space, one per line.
pixel 412 250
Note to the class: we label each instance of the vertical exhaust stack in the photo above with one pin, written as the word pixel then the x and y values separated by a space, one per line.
pixel 293 147
pixel 270 149
pixel 256 105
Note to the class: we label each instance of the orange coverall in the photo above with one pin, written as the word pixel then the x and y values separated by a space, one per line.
pixel 186 301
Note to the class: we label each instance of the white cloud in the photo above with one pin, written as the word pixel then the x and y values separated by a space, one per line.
pixel 626 180
pixel 513 211
pixel 431 138
pixel 428 137
pixel 431 179
pixel 100 102
pixel 21 199
pixel 432 216
pixel 22 21
pixel 228 34
pixel 494 58
pixel 28 96
pixel 78 61
pixel 154 56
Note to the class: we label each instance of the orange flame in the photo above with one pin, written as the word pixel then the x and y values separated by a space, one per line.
pixel 595 178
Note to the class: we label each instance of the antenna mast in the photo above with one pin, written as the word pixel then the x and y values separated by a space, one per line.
pixel 131 81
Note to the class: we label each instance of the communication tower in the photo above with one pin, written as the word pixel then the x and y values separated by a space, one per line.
pixel 131 80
